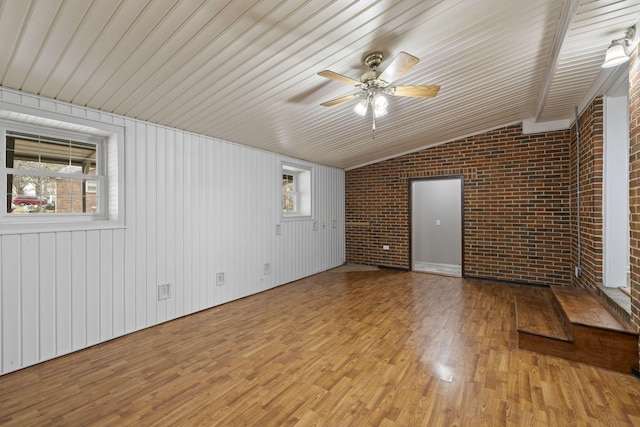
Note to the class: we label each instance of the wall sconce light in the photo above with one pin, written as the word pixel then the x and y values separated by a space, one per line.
pixel 616 53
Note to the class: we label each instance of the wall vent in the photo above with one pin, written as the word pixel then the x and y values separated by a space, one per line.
pixel 164 291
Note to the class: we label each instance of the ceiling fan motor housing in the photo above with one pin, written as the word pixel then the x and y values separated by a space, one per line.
pixel 373 60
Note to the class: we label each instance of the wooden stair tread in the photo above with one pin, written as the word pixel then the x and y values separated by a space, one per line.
pixel 536 314
pixel 582 308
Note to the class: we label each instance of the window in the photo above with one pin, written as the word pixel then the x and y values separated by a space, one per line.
pixel 296 191
pixel 59 174
pixel 52 175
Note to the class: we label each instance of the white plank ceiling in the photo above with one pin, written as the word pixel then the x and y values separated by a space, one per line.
pixel 246 71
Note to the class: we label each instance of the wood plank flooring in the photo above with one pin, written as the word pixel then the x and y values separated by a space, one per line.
pixel 379 348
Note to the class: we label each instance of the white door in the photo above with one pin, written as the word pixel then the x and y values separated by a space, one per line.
pixel 436 225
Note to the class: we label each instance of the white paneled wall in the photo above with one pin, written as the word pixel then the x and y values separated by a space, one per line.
pixel 194 207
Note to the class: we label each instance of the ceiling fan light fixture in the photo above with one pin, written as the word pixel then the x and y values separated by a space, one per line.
pixel 380 104
pixel 361 107
pixel 375 85
pixel 616 53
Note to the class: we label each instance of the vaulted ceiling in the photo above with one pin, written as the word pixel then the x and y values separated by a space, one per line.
pixel 246 71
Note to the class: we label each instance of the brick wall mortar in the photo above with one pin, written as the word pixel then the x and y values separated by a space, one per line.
pixel 516 213
pixel 591 175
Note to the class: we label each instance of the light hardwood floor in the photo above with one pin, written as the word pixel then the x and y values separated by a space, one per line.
pixel 382 348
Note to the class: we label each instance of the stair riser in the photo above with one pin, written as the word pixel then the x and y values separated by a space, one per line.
pixel 597 347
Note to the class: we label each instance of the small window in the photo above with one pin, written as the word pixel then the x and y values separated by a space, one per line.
pixel 59 172
pixel 52 175
pixel 296 191
pixel 289 192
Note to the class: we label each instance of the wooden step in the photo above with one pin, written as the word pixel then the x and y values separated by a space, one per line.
pixel 583 308
pixel 571 323
pixel 538 313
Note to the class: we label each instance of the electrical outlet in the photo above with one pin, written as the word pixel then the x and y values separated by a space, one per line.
pixel 267 268
pixel 385 247
pixel 315 225
pixel 164 291
pixel 278 230
pixel 219 279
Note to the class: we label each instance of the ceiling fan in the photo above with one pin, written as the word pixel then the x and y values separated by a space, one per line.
pixel 375 85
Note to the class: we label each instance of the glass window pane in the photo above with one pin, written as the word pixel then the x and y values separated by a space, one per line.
pixel 37 194
pixel 72 196
pixel 287 183
pixel 50 154
pixel 30 194
pixel 288 203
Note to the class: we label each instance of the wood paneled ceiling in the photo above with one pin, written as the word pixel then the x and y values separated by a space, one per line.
pixel 246 71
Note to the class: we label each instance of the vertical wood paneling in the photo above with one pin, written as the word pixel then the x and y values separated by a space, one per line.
pixel 158 204
pixel 139 225
pixel 151 225
pixel 129 250
pixel 202 220
pixel 179 224
pixel 195 206
pixel 170 204
pixel 92 287
pixel 11 305
pixel 219 212
pixel 63 304
pixel 210 227
pixel 106 284
pixel 78 289
pixel 29 299
pixel 118 283
pixel 187 227
pixel 194 234
pixel 47 295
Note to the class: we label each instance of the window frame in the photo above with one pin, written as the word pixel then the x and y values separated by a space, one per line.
pixel 39 132
pixel 109 140
pixel 303 191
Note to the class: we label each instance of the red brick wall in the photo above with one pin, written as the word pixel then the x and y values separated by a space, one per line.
pixel 591 169
pixel 634 183
pixel 69 197
pixel 516 213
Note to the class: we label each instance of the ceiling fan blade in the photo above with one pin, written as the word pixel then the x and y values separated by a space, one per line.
pixel 338 77
pixel 340 100
pixel 416 91
pixel 402 63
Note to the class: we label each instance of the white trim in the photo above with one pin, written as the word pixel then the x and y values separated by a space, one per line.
pixel 530 126
pixel 607 79
pixel 615 185
pixel 569 11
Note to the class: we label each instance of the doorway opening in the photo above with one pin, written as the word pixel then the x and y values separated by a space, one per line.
pixel 436 206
